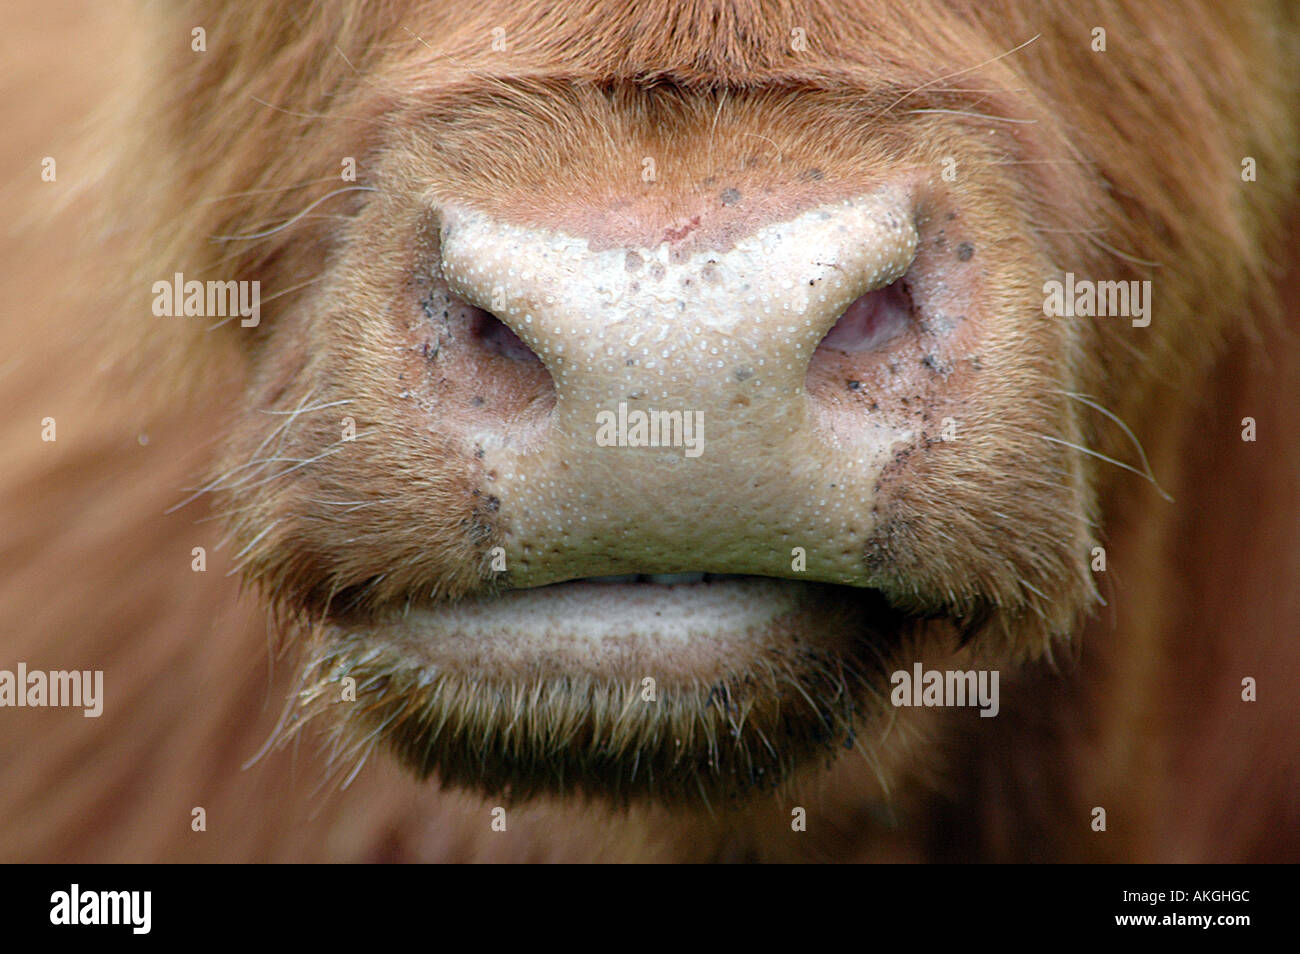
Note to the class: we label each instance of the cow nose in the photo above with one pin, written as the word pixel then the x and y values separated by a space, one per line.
pixel 683 436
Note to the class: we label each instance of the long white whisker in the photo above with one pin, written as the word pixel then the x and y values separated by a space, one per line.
pixel 284 225
pixel 969 69
pixel 1110 460
pixel 1137 444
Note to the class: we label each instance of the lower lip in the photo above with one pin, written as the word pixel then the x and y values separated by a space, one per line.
pixel 592 611
pixel 620 630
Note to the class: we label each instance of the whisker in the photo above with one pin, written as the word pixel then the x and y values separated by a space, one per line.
pixel 1124 255
pixel 1137 444
pixel 969 69
pixel 249 546
pixel 339 51
pixel 1110 460
pixel 297 115
pixel 780 156
pixel 973 115
pixel 284 225
pixel 269 191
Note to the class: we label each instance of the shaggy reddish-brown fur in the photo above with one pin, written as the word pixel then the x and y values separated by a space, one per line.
pixel 1126 164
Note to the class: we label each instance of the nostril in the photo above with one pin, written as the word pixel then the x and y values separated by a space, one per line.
pixel 468 367
pixel 872 321
pixel 493 334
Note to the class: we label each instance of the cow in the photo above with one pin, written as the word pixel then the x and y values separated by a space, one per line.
pixel 675 431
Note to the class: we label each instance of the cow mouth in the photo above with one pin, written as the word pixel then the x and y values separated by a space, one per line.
pixel 677 686
pixel 665 625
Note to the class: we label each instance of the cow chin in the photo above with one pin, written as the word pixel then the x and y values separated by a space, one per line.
pixel 681 691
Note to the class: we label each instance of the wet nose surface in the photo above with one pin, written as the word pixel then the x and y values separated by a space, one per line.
pixel 683 436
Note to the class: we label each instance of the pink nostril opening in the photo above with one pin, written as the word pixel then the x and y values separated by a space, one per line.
pixel 496 337
pixel 872 321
